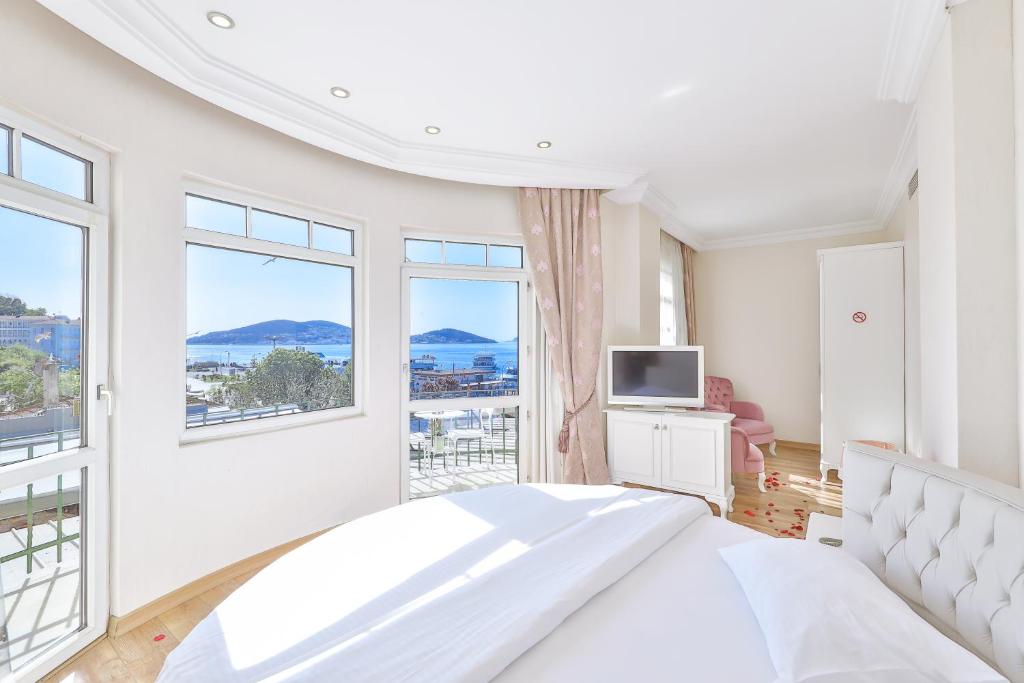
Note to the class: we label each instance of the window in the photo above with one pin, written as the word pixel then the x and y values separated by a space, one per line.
pixel 44 164
pixel 463 253
pixel 270 316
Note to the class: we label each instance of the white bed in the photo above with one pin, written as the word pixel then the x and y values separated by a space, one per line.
pixel 535 583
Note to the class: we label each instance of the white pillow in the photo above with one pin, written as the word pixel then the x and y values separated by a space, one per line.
pixel 828 619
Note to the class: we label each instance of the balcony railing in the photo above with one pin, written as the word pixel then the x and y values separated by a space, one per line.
pixel 21 512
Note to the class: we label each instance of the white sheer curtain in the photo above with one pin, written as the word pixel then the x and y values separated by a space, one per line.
pixel 544 464
pixel 673 303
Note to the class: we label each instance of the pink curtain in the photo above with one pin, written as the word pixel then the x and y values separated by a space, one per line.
pixel 562 233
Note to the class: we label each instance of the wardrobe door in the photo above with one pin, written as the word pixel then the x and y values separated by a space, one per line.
pixel 862 354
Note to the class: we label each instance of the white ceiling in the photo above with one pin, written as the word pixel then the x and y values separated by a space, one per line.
pixel 737 120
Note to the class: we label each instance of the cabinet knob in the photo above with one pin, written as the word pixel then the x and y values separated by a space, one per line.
pixel 657 426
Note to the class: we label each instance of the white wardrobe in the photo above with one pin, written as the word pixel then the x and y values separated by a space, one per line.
pixel 862 348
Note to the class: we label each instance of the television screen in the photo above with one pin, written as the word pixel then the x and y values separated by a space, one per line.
pixel 657 374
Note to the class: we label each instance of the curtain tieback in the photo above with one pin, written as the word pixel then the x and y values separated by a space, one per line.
pixel 568 416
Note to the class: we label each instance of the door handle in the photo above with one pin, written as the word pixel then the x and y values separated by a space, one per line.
pixel 105 394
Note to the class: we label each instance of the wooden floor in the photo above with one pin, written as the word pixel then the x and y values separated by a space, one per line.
pixel 136 656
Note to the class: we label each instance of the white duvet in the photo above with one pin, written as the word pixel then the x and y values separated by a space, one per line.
pixel 445 589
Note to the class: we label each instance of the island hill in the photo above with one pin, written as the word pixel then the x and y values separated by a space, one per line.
pixel 320 332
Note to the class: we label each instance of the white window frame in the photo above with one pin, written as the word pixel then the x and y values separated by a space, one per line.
pixel 524 400
pixel 93 216
pixel 250 199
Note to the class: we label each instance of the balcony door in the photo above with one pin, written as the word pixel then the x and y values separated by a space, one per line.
pixel 53 427
pixel 464 355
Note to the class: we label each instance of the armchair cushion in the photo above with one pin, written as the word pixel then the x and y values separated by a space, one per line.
pixel 718 391
pixel 748 410
pixel 753 428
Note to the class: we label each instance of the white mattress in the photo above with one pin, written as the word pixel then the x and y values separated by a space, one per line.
pixel 679 615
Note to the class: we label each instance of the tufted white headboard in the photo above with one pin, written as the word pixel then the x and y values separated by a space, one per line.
pixel 949 542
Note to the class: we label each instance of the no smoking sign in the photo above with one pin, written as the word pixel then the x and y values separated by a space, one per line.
pixel 860 317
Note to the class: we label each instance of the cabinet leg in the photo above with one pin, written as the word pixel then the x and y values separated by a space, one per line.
pixel 823 468
pixel 760 482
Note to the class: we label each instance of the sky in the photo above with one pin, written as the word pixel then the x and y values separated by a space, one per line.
pixel 484 307
pixel 229 289
pixel 41 262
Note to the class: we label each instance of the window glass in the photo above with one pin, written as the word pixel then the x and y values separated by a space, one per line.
pixel 209 214
pixel 274 227
pixel 41 285
pixel 329 238
pixel 51 168
pixel 266 336
pixel 462 447
pixel 464 340
pixel 423 251
pixel 465 254
pixel 505 257
pixel 41 564
pixel 5 151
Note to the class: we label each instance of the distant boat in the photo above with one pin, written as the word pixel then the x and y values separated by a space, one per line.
pixel 485 361
pixel 424 362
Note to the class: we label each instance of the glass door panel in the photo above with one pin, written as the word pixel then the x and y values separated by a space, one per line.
pixel 463 400
pixel 49 448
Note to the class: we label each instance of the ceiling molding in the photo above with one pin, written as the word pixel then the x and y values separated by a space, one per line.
pixel 141 32
pixel 915 30
pixel 644 194
pixel 854 228
pixel 899 174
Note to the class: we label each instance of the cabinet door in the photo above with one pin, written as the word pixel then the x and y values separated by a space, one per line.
pixel 691 454
pixel 634 447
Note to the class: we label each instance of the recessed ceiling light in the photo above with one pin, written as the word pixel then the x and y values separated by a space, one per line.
pixel 220 20
pixel 544 144
pixel 432 130
pixel 338 91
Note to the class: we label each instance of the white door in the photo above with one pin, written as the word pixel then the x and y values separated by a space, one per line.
pixel 862 388
pixel 634 447
pixel 465 332
pixel 53 425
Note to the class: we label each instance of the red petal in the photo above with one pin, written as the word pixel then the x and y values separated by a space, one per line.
pixel 158 637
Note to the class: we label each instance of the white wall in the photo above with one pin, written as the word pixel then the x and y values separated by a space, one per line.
pixel 182 512
pixel 757 316
pixel 904 225
pixel 967 246
pixel 1018 71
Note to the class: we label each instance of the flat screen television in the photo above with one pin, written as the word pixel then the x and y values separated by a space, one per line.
pixel 656 375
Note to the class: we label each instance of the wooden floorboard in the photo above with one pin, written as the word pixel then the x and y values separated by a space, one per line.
pixel 136 656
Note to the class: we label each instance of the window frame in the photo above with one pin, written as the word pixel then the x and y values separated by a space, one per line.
pixel 444 239
pixel 208 238
pixel 525 399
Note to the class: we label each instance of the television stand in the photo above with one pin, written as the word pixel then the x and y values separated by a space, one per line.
pixel 685 451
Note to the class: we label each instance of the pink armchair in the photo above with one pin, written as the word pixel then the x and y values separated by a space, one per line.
pixel 749 416
pixel 746 457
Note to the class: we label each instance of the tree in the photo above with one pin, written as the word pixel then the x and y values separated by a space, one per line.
pixel 12 305
pixel 286 376
pixel 18 379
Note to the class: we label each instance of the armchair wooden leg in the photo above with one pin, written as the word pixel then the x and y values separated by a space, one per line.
pixel 771 447
pixel 760 482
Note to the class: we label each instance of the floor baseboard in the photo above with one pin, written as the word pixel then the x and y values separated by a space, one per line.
pixel 800 445
pixel 117 626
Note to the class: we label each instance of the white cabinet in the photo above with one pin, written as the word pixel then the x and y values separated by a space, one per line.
pixel 687 452
pixel 862 363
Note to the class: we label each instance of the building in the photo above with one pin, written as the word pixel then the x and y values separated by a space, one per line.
pixel 54 335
